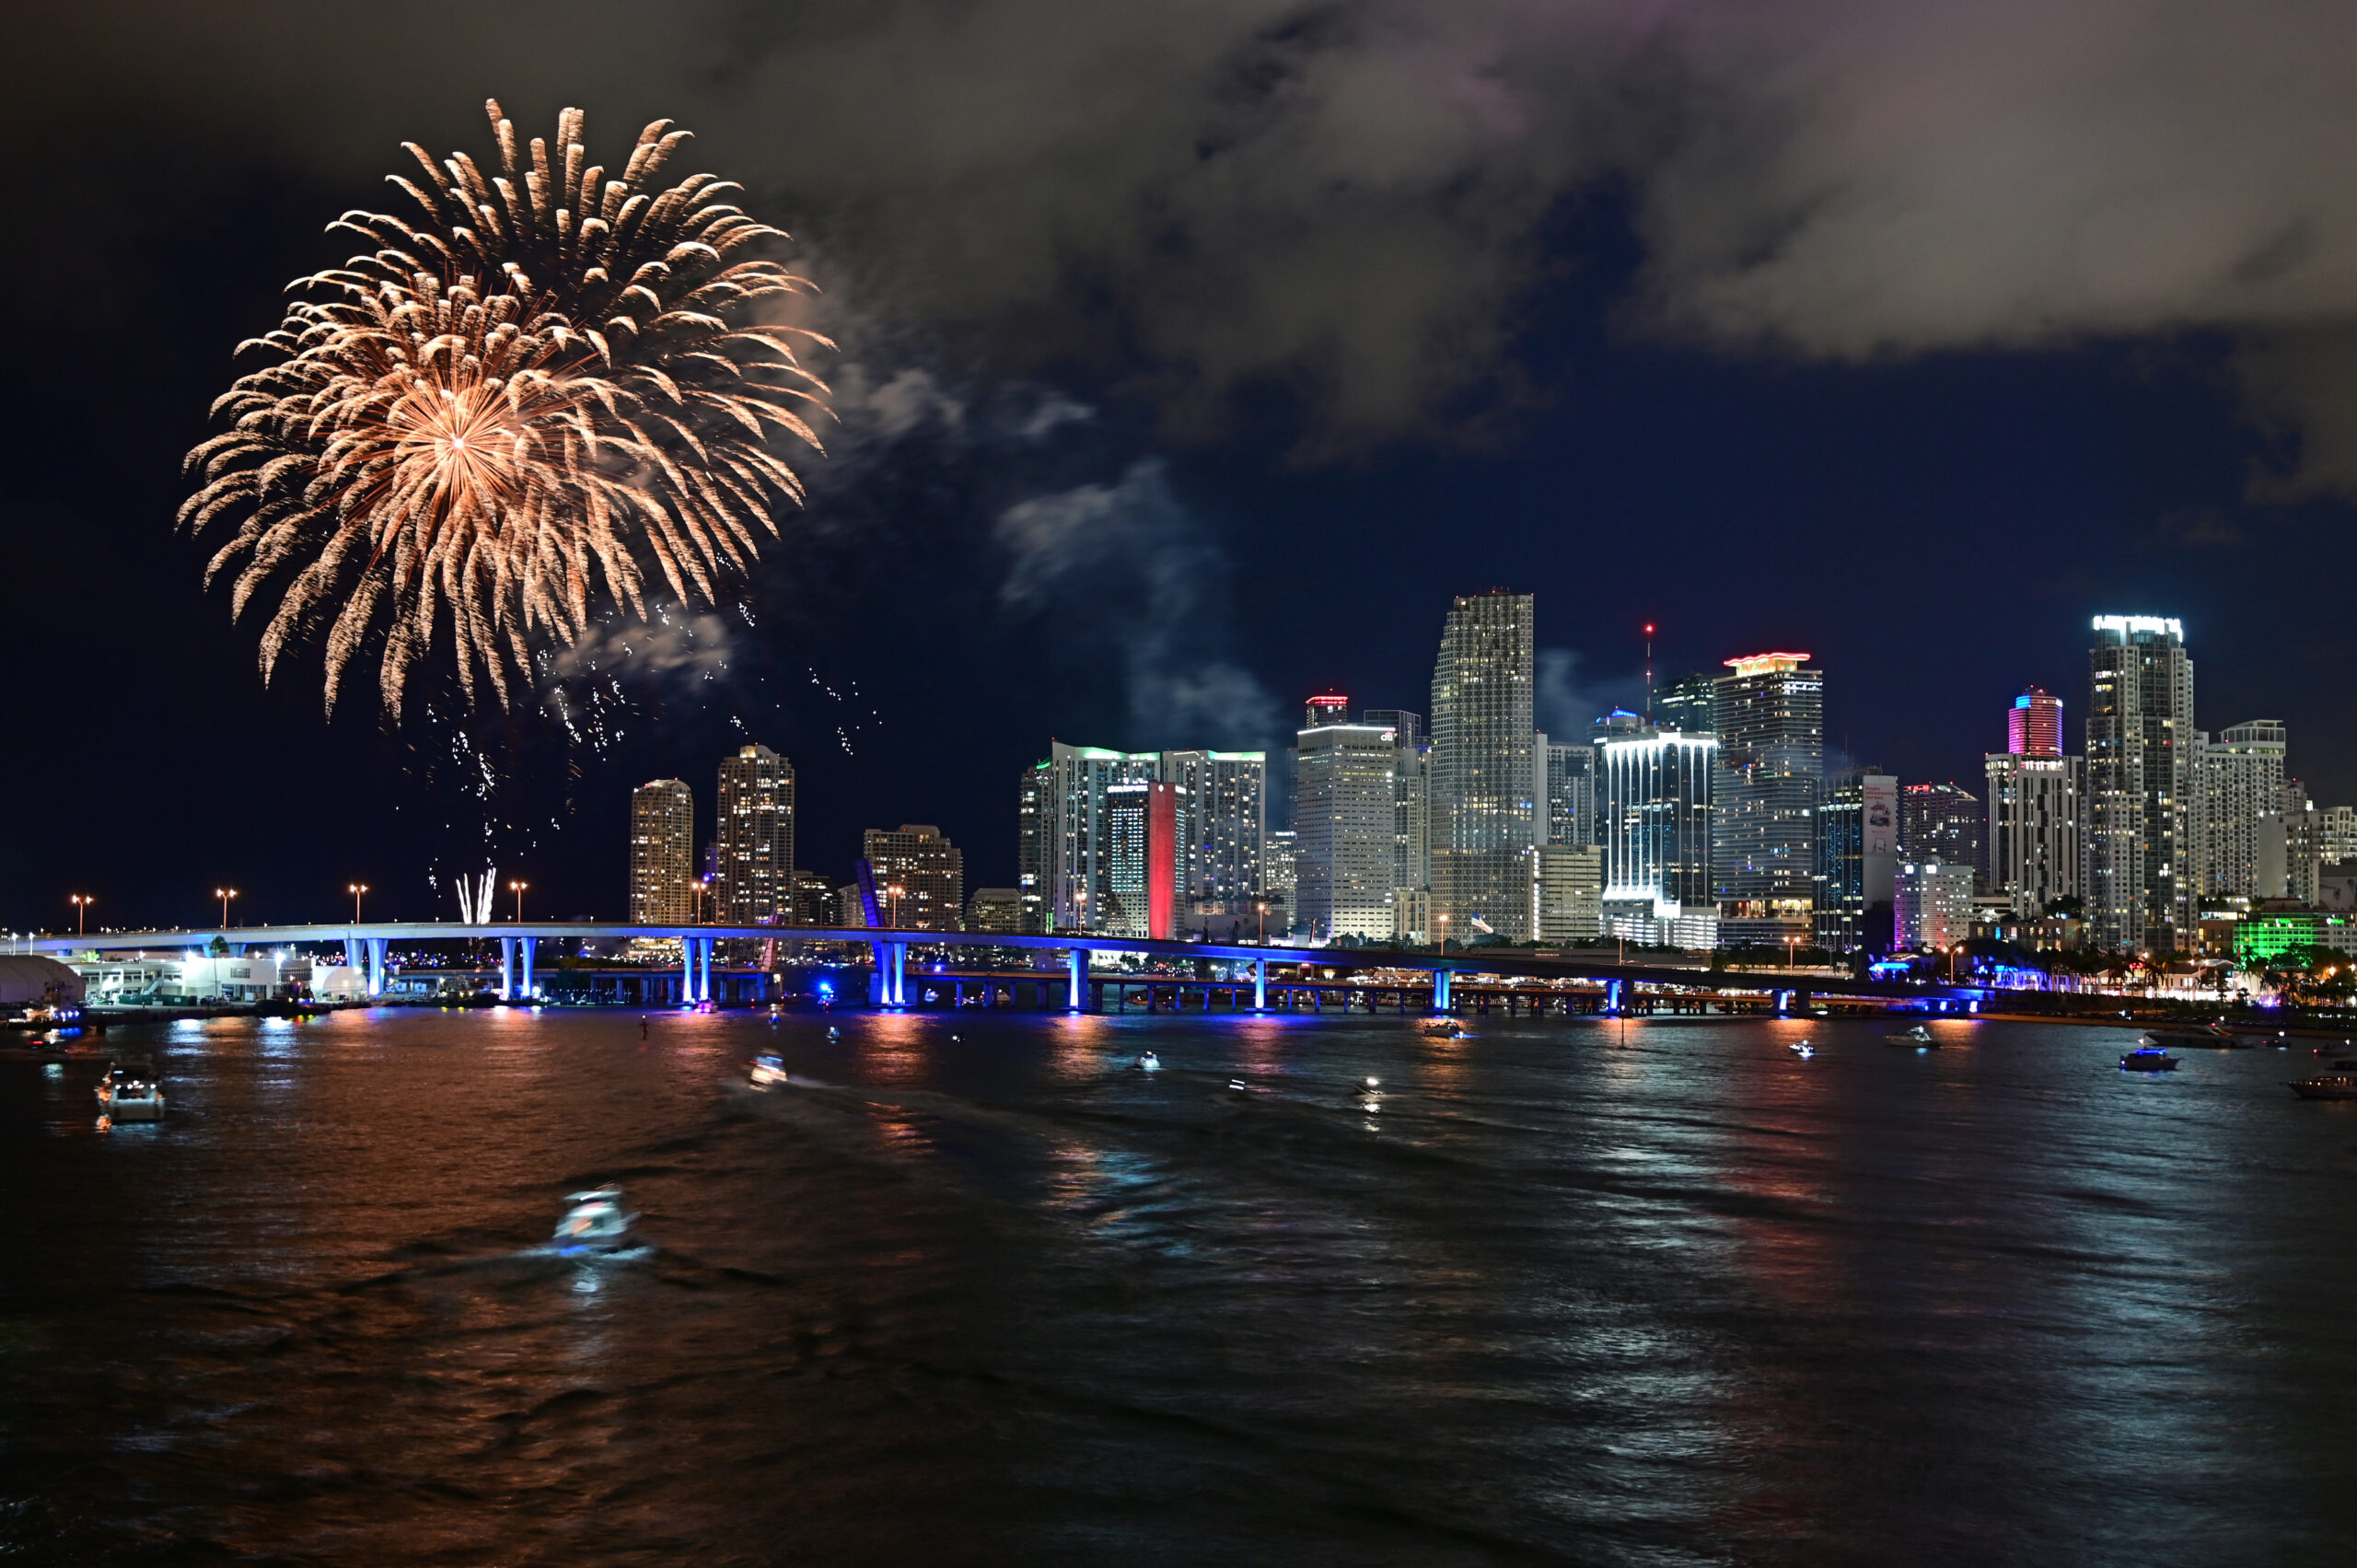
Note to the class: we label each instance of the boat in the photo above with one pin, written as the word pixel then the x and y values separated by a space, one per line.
pixel 1149 1062
pixel 2216 1037
pixel 1447 1028
pixel 2148 1059
pixel 1803 1050
pixel 2330 1085
pixel 596 1223
pixel 1920 1037
pixel 768 1070
pixel 129 1093
pixel 1239 1086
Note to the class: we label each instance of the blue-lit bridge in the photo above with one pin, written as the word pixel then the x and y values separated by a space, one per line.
pixel 367 945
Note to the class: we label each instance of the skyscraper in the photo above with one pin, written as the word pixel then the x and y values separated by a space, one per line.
pixel 1689 704
pixel 1943 822
pixel 1567 892
pixel 1033 824
pixel 2034 831
pixel 1570 795
pixel 1770 718
pixel 1076 854
pixel 1657 807
pixel 1857 862
pixel 2034 725
pixel 1483 816
pixel 1934 904
pixel 754 882
pixel 1412 809
pixel 1227 798
pixel 920 878
pixel 662 853
pixel 2140 718
pixel 2239 784
pixel 1145 830
pixel 1344 785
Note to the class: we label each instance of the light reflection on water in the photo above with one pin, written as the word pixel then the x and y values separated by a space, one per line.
pixel 1003 1297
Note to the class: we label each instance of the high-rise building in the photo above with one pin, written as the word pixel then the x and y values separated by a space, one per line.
pixel 2303 843
pixel 1567 892
pixel 2034 725
pixel 2140 719
pixel 1345 778
pixel 1934 904
pixel 2239 783
pixel 1689 704
pixel 920 878
pixel 1034 827
pixel 1570 795
pixel 753 885
pixel 1077 854
pixel 1227 799
pixel 1857 862
pixel 1769 715
pixel 2337 835
pixel 1483 816
pixel 1411 798
pixel 1656 786
pixel 1280 882
pixel 1943 822
pixel 2034 828
pixel 1146 830
pixel 662 853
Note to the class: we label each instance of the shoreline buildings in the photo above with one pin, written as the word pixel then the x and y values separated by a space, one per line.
pixel 662 853
pixel 1768 715
pixel 753 883
pixel 2036 798
pixel 1345 822
pixel 2139 720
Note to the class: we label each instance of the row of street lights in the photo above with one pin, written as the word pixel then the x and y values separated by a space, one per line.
pixel 82 902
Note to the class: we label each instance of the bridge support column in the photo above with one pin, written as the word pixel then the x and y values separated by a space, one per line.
pixel 1616 997
pixel 507 968
pixel 1783 1003
pixel 356 953
pixel 376 966
pixel 1259 985
pixel 525 948
pixel 1440 991
pixel 1077 962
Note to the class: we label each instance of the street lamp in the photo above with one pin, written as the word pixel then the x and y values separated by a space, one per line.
pixel 355 889
pixel 1791 952
pixel 518 888
pixel 81 902
pixel 225 895
pixel 1261 909
pixel 892 918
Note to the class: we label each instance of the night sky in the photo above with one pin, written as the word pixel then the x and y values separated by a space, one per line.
pixel 1191 359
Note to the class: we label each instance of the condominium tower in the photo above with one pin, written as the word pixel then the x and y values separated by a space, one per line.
pixel 2140 721
pixel 1483 813
pixel 753 883
pixel 2238 790
pixel 662 853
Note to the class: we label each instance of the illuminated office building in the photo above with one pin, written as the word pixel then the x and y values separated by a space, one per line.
pixel 1483 810
pixel 1856 863
pixel 1769 715
pixel 1568 794
pixel 1227 799
pixel 1345 781
pixel 1945 823
pixel 1034 820
pixel 1657 806
pixel 2034 829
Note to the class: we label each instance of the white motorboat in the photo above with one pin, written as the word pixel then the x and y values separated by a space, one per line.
pixel 770 1070
pixel 1919 1037
pixel 129 1093
pixel 1803 1050
pixel 596 1223
pixel 1149 1062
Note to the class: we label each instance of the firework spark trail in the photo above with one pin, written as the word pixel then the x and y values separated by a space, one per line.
pixel 506 412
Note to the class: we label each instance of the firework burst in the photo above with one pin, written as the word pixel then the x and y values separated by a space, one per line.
pixel 524 405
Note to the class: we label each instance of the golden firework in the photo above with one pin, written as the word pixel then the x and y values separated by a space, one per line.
pixel 505 413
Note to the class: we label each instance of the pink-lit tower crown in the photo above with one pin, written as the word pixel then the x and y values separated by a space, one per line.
pixel 2034 725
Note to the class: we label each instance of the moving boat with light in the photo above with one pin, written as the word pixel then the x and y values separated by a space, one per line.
pixel 1919 1037
pixel 2330 1085
pixel 1447 1028
pixel 2148 1059
pixel 768 1070
pixel 596 1223
pixel 1149 1062
pixel 129 1093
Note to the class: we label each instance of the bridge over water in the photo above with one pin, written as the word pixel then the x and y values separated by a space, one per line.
pixel 366 945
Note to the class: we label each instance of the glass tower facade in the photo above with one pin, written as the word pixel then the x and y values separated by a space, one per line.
pixel 1483 811
pixel 1658 815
